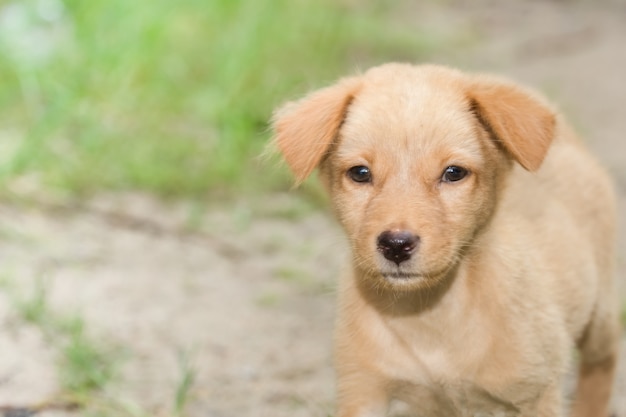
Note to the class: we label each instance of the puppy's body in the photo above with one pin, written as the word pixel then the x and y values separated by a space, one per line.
pixel 482 241
pixel 495 340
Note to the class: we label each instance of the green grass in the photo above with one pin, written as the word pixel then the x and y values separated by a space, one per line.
pixel 85 367
pixel 185 384
pixel 170 97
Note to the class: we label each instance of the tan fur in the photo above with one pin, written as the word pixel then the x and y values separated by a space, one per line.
pixel 305 130
pixel 513 266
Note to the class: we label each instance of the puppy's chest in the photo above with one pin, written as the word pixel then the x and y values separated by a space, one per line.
pixel 458 399
pixel 435 390
pixel 465 378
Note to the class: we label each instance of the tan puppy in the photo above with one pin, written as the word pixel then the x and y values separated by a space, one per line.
pixel 482 243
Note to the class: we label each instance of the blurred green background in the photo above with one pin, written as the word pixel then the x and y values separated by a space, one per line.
pixel 170 97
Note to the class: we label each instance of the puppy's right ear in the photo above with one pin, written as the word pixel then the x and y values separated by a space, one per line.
pixel 305 130
pixel 517 118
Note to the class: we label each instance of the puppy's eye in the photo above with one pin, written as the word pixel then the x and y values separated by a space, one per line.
pixel 360 173
pixel 454 173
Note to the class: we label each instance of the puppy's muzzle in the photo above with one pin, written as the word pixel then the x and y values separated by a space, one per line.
pixel 397 245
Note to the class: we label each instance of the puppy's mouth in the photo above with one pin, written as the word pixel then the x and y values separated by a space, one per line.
pixel 401 275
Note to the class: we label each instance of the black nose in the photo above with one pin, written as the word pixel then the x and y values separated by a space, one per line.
pixel 397 246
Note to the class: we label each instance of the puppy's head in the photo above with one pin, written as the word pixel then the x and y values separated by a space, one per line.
pixel 413 158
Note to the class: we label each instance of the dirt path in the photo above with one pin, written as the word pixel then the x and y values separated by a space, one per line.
pixel 246 292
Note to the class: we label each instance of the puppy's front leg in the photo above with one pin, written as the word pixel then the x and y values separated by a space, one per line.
pixel 361 395
pixel 595 382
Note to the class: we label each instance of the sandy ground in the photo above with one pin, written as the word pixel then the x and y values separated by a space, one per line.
pixel 246 291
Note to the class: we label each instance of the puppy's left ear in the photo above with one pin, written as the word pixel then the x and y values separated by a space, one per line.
pixel 305 130
pixel 519 119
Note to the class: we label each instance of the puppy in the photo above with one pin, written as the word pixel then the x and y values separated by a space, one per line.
pixel 482 242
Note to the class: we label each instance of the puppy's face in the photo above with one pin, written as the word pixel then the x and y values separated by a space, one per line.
pixel 413 158
pixel 412 177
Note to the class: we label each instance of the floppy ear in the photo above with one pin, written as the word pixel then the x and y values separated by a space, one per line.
pixel 519 119
pixel 305 130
